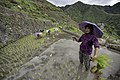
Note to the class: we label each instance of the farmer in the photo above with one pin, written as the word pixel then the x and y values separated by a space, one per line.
pixel 88 39
pixel 38 35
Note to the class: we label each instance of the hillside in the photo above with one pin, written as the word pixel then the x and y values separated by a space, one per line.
pixel 22 17
pixel 82 12
pixel 115 9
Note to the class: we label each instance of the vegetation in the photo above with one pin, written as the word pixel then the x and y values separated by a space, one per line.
pixel 20 19
pixel 111 9
pixel 23 17
pixel 35 9
pixel 83 12
pixel 16 54
pixel 102 62
pixel 73 29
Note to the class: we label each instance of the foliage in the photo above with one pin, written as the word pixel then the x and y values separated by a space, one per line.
pixel 32 15
pixel 36 9
pixel 115 9
pixel 102 61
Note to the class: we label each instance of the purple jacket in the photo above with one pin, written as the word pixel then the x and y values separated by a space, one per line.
pixel 87 41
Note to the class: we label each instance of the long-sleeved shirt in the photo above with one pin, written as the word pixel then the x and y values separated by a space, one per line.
pixel 87 41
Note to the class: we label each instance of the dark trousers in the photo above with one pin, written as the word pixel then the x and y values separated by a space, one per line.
pixel 84 58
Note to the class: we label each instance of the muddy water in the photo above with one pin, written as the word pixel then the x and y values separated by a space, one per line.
pixel 60 62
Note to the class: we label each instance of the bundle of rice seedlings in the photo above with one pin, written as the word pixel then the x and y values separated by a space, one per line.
pixel 102 62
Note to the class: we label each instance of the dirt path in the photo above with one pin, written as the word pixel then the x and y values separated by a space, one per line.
pixel 60 62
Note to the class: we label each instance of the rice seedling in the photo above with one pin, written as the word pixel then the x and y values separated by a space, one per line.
pixel 3 69
pixel 1 74
pixel 102 62
pixel 39 74
pixel 17 53
pixel 5 60
pixel 39 79
pixel 9 72
pixel 16 69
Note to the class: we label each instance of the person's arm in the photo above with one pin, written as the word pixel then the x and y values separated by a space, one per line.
pixel 95 52
pixel 96 46
pixel 76 39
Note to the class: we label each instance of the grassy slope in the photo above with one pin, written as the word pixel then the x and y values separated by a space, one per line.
pixel 39 9
pixel 115 9
pixel 32 15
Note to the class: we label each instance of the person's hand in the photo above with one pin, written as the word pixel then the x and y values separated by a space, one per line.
pixel 74 38
pixel 93 58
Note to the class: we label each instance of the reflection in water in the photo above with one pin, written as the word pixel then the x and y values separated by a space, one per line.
pixel 82 74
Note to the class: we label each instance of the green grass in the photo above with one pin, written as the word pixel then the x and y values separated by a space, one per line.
pixel 34 9
pixel 73 29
